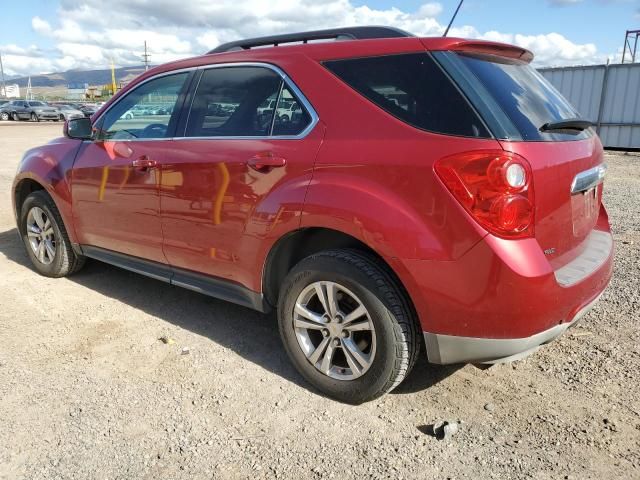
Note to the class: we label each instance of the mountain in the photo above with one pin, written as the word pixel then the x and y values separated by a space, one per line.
pixel 92 77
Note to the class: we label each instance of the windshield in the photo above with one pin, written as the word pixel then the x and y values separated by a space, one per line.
pixel 37 104
pixel 525 97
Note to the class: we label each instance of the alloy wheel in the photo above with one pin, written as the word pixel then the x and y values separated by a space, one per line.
pixel 334 330
pixel 41 236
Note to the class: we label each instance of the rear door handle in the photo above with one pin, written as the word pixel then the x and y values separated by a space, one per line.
pixel 143 163
pixel 264 163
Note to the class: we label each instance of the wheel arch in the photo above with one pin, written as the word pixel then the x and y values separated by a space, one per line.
pixel 301 243
pixel 23 188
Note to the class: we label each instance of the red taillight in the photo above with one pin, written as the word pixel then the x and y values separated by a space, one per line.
pixel 495 187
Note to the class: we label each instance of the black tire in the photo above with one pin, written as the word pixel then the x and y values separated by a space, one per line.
pixel 5 116
pixel 65 260
pixel 391 313
pixel 34 117
pixel 15 117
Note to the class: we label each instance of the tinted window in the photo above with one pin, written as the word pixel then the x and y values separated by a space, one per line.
pixel 292 118
pixel 146 111
pixel 414 89
pixel 525 96
pixel 234 102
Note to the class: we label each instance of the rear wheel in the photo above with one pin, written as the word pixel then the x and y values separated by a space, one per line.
pixel 347 325
pixel 45 237
pixel 34 117
pixel 15 117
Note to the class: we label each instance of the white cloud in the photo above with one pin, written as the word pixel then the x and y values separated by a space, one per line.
pixel 87 34
pixel 41 26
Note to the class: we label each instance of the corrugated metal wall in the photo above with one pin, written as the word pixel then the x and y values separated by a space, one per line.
pixel 608 95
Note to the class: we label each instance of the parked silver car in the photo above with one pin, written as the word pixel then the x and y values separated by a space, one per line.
pixel 28 110
pixel 68 112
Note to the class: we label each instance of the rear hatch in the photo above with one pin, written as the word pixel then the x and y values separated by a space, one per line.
pixel 516 102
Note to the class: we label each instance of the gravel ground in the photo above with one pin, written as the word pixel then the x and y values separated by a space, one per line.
pixel 87 390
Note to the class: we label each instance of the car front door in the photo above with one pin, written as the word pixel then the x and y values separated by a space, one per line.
pixel 218 182
pixel 116 177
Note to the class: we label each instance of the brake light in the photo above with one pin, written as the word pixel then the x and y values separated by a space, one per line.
pixel 495 187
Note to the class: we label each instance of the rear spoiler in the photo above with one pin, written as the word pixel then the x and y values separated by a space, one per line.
pixel 478 46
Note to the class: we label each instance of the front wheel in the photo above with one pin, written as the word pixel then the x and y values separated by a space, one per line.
pixel 45 237
pixel 4 116
pixel 347 325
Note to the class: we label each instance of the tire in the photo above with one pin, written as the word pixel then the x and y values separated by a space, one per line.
pixel 5 116
pixel 387 333
pixel 64 261
pixel 15 117
pixel 34 117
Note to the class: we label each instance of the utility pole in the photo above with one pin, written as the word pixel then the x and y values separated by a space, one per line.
pixel 4 85
pixel 630 36
pixel 146 56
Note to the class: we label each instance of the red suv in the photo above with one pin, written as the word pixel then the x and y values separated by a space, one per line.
pixel 423 188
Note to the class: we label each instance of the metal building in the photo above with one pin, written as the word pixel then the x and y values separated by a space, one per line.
pixel 608 95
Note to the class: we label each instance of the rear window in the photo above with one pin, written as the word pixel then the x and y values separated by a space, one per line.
pixel 526 97
pixel 413 88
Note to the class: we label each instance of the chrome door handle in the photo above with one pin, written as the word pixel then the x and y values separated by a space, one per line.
pixel 143 163
pixel 264 163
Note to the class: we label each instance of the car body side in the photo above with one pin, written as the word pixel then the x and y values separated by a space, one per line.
pixel 371 184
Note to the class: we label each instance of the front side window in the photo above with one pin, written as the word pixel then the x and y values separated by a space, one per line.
pixel 413 88
pixel 146 112
pixel 234 102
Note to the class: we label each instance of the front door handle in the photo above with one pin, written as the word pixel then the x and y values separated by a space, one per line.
pixel 265 162
pixel 143 163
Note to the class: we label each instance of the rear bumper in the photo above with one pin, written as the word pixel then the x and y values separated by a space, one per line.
pixel 448 349
pixel 503 298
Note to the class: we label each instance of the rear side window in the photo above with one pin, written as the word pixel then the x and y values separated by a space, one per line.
pixel 414 89
pixel 525 96
pixel 291 117
pixel 234 102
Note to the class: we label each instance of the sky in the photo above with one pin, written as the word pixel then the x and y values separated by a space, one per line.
pixel 44 36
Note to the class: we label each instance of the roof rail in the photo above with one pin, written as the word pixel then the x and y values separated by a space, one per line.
pixel 346 33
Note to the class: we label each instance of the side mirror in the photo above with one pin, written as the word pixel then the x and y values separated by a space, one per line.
pixel 78 128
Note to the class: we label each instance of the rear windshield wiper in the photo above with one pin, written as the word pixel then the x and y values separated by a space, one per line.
pixel 568 124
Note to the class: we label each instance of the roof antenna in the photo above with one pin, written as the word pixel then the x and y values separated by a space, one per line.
pixel 453 18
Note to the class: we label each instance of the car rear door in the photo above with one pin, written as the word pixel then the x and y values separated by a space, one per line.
pixel 116 177
pixel 219 190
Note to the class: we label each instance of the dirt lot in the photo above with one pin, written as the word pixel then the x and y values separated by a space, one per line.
pixel 88 391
